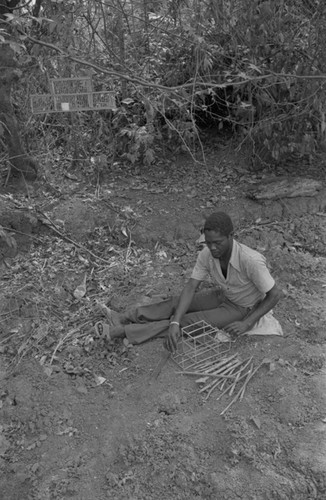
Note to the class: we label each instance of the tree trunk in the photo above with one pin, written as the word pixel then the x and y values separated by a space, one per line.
pixel 122 51
pixel 21 163
pixel 286 187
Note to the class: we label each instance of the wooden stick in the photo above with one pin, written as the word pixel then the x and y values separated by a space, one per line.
pixel 165 357
pixel 247 380
pixel 224 367
pixel 200 374
pixel 230 404
pixel 228 388
pixel 212 364
pixel 245 365
pixel 212 359
pixel 55 228
pixel 208 369
pixel 234 384
pixel 226 372
pixel 240 394
pixel 247 361
pixel 204 367
pixel 236 397
pixel 230 371
pixel 221 371
pixel 224 361
pixel 213 386
pixel 238 375
pixel 217 382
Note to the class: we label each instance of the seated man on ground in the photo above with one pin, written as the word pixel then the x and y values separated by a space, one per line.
pixel 245 291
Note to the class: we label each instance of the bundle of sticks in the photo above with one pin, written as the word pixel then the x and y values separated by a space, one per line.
pixel 224 374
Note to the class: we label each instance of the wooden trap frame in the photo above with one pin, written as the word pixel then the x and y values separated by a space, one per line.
pixel 201 353
pixel 199 346
pixel 72 94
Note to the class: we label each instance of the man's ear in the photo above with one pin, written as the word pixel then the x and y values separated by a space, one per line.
pixel 200 242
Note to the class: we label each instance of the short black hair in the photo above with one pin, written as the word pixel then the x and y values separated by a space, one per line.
pixel 219 222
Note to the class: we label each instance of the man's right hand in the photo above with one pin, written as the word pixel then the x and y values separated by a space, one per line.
pixel 187 294
pixel 170 343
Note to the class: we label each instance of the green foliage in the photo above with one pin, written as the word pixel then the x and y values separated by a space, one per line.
pixel 253 66
pixel 8 238
pixel 139 142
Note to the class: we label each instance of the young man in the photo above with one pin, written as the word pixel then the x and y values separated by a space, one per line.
pixel 245 292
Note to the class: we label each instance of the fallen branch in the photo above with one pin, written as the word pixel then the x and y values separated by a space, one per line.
pixel 69 240
pixel 11 230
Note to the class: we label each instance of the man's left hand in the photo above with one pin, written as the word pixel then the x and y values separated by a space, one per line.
pixel 237 328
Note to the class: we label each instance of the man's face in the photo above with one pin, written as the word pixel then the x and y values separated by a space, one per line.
pixel 219 245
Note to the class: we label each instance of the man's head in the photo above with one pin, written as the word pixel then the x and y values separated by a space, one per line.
pixel 219 222
pixel 218 231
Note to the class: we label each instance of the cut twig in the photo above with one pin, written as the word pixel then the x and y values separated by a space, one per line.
pixel 215 363
pixel 201 374
pixel 234 383
pixel 226 372
pixel 236 397
pixel 245 365
pixel 216 383
pixel 238 375
pixel 198 365
pixel 165 357
pixel 232 402
pixel 228 388
pixel 247 380
pixel 241 392
pixel 213 386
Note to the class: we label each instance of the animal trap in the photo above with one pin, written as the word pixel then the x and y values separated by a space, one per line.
pixel 72 94
pixel 199 346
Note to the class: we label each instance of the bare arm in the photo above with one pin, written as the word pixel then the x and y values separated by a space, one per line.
pixel 271 299
pixel 185 299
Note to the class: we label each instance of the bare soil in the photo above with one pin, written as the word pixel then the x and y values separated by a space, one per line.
pixel 86 420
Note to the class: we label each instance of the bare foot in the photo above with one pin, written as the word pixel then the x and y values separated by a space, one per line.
pixel 113 318
pixel 109 332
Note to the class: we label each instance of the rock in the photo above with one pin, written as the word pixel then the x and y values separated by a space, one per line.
pixel 169 403
pixel 4 445
pixel 35 467
pixel 31 446
pixel 82 389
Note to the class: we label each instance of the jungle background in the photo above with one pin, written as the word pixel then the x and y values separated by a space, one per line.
pixel 252 68
pixel 217 105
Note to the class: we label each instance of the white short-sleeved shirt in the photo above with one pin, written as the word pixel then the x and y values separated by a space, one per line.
pixel 247 280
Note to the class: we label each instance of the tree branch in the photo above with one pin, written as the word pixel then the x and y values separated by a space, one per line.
pixel 189 85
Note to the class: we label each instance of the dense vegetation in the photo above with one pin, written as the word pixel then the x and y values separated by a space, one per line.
pixel 254 68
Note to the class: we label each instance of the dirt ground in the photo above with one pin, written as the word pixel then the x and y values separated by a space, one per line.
pixel 87 420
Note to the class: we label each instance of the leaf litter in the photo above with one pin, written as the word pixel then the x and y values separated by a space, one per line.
pixel 42 289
